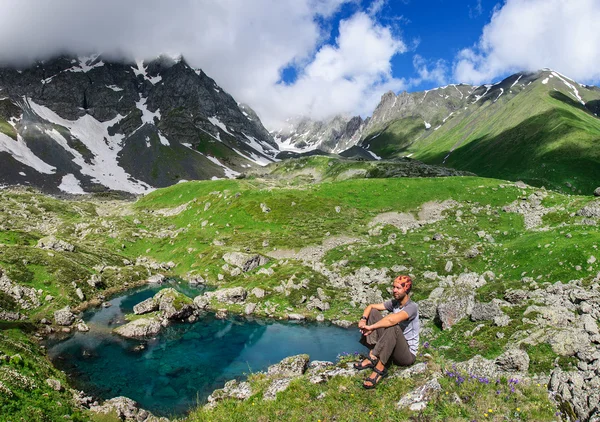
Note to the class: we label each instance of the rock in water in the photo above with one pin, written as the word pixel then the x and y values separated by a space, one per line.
pixel 143 327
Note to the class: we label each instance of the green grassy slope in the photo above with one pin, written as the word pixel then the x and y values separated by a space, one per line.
pixel 110 236
pixel 538 133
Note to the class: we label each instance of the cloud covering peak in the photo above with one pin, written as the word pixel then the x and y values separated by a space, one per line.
pixel 243 45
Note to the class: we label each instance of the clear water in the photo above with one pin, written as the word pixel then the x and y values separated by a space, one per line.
pixel 179 368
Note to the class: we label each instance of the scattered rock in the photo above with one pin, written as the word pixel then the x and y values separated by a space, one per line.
pixel 513 360
pixel 79 294
pixel 275 387
pixel 52 243
pixel 258 292
pixel 246 262
pixel 591 210
pixel 417 399
pixel 292 366
pixel 454 306
pixel 148 305
pixel 232 390
pixel 143 327
pixel 342 323
pixel 64 316
pixel 485 311
pixel 156 279
pixel 230 296
pixel 126 410
pixel 54 384
pixel 296 317
pixel 250 308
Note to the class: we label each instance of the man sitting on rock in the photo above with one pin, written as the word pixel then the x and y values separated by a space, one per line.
pixel 394 336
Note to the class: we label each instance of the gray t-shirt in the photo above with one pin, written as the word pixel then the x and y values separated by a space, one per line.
pixel 411 326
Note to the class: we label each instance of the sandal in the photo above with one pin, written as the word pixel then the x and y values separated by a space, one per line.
pixel 379 375
pixel 359 365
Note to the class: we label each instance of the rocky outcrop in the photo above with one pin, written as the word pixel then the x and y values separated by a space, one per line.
pixel 143 327
pixel 64 316
pixel 417 399
pixel 174 305
pixel 591 210
pixel 54 244
pixel 531 208
pixel 126 410
pixel 148 305
pixel 232 390
pixel 246 262
pixel 229 296
pixel 24 297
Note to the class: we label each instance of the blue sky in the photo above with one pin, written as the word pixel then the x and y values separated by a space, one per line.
pixel 433 29
pixel 318 58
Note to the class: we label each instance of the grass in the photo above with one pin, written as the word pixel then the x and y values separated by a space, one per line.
pixel 461 397
pixel 539 135
pixel 109 237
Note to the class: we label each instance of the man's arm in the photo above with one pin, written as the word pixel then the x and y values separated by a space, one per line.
pixel 387 321
pixel 363 321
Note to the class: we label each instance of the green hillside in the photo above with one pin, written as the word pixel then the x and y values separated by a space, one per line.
pixel 192 225
pixel 536 132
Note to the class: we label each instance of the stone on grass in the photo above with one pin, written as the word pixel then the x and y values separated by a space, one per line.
pixel 296 317
pixel 258 292
pixel 250 308
pixel 485 311
pixel 246 262
pixel 513 360
pixel 54 384
pixel 418 398
pixel 231 390
pixel 52 243
pixel 231 295
pixel 64 316
pixel 156 279
pixel 454 306
pixel 597 191
pixel 292 366
pixel 277 386
pixel 342 323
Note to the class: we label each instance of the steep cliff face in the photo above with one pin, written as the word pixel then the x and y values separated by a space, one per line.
pixel 88 124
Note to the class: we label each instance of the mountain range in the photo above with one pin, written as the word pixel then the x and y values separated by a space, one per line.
pixel 539 127
pixel 86 124
pixel 83 124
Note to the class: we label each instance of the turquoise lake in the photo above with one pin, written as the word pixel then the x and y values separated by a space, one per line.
pixel 177 370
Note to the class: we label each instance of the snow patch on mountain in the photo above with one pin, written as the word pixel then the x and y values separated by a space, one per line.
pixel 147 115
pixel 216 122
pixel 142 70
pixel 104 168
pixel 575 93
pixel 21 152
pixel 71 184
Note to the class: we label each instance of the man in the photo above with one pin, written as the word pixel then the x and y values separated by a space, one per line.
pixel 394 336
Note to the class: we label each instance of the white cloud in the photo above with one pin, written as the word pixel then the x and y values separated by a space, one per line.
pixel 533 34
pixel 243 45
pixel 348 77
pixel 429 71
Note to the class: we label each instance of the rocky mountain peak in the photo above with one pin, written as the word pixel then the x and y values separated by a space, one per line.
pixel 73 123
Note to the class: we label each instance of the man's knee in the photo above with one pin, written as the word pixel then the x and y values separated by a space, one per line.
pixel 374 316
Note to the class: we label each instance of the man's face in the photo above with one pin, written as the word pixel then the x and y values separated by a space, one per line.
pixel 398 290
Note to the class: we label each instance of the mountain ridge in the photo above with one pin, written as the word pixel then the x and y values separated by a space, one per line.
pixel 439 126
pixel 84 124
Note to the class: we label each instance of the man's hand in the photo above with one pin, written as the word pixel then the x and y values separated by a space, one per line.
pixel 365 331
pixel 362 323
